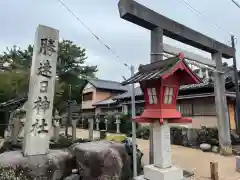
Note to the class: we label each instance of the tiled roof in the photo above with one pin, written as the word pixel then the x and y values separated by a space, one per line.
pixel 104 102
pixel 138 92
pixel 152 71
pixel 156 69
pixel 105 84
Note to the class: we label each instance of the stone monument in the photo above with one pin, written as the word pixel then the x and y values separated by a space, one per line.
pixel 97 123
pixel 118 121
pixel 36 160
pixel 74 129
pixel 106 124
pixel 41 92
pixel 56 127
pixel 90 128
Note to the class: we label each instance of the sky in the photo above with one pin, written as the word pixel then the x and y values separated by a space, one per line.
pixel 20 18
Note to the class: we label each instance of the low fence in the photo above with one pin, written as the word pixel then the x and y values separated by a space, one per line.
pixel 125 124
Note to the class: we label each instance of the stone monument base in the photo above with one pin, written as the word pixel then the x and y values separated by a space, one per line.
pixel 152 172
pixel 53 166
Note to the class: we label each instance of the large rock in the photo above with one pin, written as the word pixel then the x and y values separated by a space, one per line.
pixel 102 160
pixel 72 177
pixel 52 166
pixel 215 149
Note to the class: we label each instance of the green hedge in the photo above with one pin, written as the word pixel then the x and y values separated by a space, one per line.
pixel 180 135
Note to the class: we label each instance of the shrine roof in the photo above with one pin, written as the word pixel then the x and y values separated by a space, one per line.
pixel 154 70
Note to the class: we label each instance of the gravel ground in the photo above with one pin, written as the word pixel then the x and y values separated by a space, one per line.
pixel 190 159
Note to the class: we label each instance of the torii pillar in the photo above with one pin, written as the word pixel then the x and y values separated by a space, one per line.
pixel 160 25
pixel 156 55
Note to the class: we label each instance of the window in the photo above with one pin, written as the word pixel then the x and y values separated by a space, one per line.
pixel 168 95
pixel 185 109
pixel 152 96
pixel 88 96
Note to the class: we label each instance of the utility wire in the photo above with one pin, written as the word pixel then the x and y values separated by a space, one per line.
pixel 206 18
pixel 236 3
pixel 113 52
pixel 94 34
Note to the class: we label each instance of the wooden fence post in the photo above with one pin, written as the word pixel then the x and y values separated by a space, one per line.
pixel 214 170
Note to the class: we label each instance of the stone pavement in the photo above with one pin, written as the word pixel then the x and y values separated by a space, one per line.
pixel 189 159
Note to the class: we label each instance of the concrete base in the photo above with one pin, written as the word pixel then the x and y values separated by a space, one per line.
pixel 139 178
pixel 152 172
pixel 238 163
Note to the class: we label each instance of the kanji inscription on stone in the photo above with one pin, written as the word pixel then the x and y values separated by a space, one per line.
pixel 34 128
pixel 47 46
pixel 41 104
pixel 41 92
pixel 45 69
pixel 39 127
pixel 43 126
pixel 43 86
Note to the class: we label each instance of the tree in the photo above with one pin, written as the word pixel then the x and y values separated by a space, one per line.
pixel 12 84
pixel 70 68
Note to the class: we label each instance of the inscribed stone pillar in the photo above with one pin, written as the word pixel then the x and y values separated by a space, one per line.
pixel 82 123
pixel 162 145
pixel 41 91
pixel 74 129
pixel 162 168
pixel 118 121
pixel 106 124
pixel 90 128
pixel 156 55
pixel 97 124
pixel 15 130
pixel 56 128
pixel 221 107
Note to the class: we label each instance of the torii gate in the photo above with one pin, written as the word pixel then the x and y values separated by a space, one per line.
pixel 160 25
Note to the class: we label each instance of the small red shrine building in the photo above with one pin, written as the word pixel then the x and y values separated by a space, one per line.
pixel 160 82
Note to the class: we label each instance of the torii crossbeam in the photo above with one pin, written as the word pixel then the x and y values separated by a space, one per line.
pixel 149 19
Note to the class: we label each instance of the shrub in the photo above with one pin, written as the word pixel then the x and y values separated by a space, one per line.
pixel 116 138
pixel 143 132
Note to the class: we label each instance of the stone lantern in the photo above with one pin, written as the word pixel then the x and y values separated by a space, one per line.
pixel 160 82
pixel 117 122
pixel 97 122
pixel 56 126
pixel 106 123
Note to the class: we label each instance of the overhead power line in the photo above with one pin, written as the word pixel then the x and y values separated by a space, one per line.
pixel 94 34
pixel 113 52
pixel 204 17
pixel 236 3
